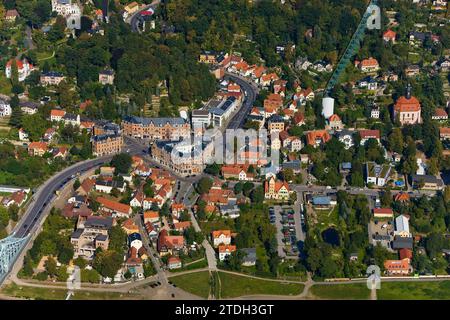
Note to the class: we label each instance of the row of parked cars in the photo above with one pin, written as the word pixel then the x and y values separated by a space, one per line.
pixel 272 215
pixel 288 229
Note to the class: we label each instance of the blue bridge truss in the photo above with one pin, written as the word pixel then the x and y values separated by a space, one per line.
pixel 10 248
pixel 352 48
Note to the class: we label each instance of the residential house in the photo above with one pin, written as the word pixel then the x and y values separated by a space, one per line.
pixel 106 185
pixel 334 123
pixel 389 36
pixel 444 133
pixel 376 174
pixel 51 78
pixel 225 251
pixel 177 209
pixel 91 233
pixel 151 217
pixel 49 134
pixel 238 172
pixel 369 134
pixel 317 137
pixel 174 263
pixel 16 198
pixel 167 244
pixel 221 237
pixel 11 15
pixel 23 136
pixel 29 107
pixel 116 209
pixel 5 108
pixel 294 165
pixel 130 227
pixel 37 148
pixel 86 187
pixel 57 115
pixel 368 65
pixel 375 113
pixel 24 69
pixel 106 77
pixel 398 267
pixel 75 210
pixel 427 182
pixel 440 115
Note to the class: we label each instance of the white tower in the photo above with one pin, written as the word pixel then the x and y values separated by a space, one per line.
pixel 327 107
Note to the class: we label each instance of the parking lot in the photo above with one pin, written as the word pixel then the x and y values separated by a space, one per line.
pixel 288 229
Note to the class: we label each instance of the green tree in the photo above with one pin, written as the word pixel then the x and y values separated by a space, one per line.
pixel 204 185
pixel 121 162
pixel 50 266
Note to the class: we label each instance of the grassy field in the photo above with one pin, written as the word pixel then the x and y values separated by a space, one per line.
pixel 60 294
pixel 430 290
pixel 202 263
pixel 235 286
pixel 356 291
pixel 196 283
pixel 232 286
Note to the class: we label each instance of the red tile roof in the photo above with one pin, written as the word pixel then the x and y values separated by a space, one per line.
pixel 114 205
pixel 383 211
pixel 407 105
pixel 57 113
pixel 405 253
pixel 367 134
pixel 312 136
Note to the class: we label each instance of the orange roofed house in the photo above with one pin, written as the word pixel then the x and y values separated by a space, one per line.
pixel 57 115
pixel 239 172
pixel 221 237
pixel 225 251
pixel 389 36
pixel 444 133
pixel 116 209
pixel 317 137
pixel 407 109
pixel 368 65
pixel 37 149
pixel 398 267
pixel 169 244
pixel 278 190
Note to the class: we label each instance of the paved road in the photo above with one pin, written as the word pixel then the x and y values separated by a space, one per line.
pixel 250 92
pixel 46 192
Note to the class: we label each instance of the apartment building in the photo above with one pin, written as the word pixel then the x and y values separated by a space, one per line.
pixel 156 128
pixel 91 233
pixel 104 144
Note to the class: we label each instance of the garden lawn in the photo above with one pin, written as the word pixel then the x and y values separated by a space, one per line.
pixel 429 290
pixel 354 291
pixel 196 283
pixel 235 286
